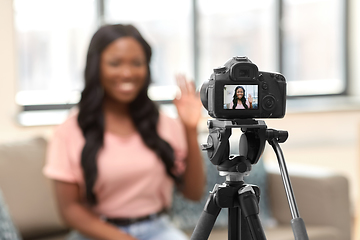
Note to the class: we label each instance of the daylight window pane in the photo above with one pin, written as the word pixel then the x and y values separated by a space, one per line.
pixel 166 25
pixel 236 28
pixel 52 39
pixel 313 46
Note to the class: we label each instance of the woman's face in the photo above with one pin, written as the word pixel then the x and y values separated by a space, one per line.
pixel 123 69
pixel 239 93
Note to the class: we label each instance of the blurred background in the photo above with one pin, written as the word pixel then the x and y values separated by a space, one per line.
pixel 313 43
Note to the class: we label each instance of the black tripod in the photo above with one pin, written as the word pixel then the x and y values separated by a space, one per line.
pixel 241 199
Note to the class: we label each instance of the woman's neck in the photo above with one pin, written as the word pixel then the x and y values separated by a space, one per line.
pixel 114 107
pixel 117 118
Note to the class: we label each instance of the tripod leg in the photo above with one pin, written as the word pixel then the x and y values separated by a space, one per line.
pixel 250 209
pixel 207 219
pixel 238 227
pixel 235 224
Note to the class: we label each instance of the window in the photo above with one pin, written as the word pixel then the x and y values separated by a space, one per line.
pixel 236 28
pixel 303 39
pixel 52 42
pixel 314 46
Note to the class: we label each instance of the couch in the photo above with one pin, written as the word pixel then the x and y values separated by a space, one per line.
pixel 323 200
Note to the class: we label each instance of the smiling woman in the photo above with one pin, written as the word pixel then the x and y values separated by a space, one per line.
pixel 116 161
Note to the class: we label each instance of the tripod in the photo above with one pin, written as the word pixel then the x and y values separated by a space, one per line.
pixel 241 199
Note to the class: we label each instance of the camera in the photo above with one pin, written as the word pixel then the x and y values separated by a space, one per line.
pixel 238 90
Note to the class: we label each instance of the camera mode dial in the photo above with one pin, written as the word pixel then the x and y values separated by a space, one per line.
pixel 220 70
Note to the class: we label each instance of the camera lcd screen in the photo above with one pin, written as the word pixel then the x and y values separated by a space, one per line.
pixel 241 97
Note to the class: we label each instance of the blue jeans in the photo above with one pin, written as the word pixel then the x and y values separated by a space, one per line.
pixel 160 228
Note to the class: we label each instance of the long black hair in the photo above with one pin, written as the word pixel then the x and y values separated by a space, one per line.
pixel 243 99
pixel 143 111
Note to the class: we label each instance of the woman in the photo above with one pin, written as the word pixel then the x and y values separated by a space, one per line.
pixel 239 100
pixel 114 163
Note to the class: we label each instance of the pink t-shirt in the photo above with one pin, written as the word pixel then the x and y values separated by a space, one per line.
pixel 132 180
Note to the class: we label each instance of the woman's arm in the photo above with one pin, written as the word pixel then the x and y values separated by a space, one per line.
pixel 250 100
pixel 189 111
pixel 78 217
pixel 194 178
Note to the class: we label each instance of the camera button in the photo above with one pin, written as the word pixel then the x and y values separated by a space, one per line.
pixel 265 86
pixel 261 78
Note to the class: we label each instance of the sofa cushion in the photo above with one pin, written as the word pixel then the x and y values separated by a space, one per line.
pixel 27 192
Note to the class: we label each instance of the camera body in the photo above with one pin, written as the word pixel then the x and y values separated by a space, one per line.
pixel 238 90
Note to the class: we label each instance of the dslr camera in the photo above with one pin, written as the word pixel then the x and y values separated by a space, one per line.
pixel 238 90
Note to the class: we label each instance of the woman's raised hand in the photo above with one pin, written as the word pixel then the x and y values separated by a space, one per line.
pixel 187 102
pixel 250 98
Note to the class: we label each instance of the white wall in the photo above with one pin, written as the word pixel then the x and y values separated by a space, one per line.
pixel 7 67
pixel 9 129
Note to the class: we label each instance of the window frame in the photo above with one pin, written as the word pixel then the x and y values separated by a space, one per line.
pixel 279 59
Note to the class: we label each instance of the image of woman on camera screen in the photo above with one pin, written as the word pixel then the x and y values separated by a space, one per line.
pixel 116 160
pixel 239 100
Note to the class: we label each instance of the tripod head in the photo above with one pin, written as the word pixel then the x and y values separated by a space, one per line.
pixel 251 144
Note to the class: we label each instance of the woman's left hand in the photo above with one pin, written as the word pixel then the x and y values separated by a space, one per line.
pixel 250 98
pixel 188 103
